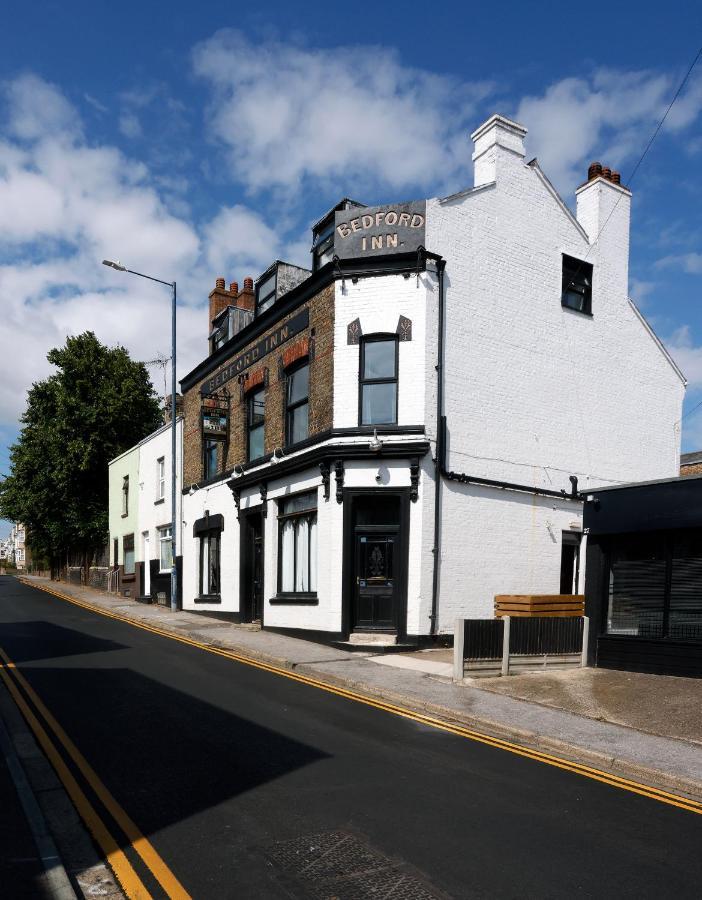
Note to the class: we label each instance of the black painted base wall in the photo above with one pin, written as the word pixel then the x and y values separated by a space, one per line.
pixel 657 657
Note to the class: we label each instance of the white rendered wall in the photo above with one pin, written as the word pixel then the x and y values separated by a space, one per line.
pixel 216 499
pixel 118 468
pixel 153 514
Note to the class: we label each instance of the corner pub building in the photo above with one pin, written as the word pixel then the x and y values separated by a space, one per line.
pixel 384 441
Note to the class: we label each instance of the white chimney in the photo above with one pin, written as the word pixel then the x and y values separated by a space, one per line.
pixel 499 143
pixel 604 210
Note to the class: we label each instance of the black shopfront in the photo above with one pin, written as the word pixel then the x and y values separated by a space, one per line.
pixel 643 584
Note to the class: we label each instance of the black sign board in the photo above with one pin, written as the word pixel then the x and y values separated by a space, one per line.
pixel 375 230
pixel 241 363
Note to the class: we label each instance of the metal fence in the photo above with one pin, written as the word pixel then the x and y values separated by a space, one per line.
pixel 515 644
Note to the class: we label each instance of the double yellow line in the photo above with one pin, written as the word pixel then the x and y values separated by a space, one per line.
pixel 558 762
pixel 32 708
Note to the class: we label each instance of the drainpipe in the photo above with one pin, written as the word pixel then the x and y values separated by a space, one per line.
pixel 439 449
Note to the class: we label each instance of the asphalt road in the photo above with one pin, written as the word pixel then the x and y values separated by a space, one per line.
pixel 249 784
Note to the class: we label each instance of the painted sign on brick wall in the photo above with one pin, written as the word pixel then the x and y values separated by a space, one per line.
pixel 375 230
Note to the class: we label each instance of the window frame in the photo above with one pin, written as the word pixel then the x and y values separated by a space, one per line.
pixel 207 445
pixel 208 536
pixel 323 240
pixel 125 496
pixel 131 549
pixel 290 408
pixel 250 399
pixel 161 478
pixel 375 339
pixel 571 267
pixel 164 536
pixel 265 303
pixel 311 514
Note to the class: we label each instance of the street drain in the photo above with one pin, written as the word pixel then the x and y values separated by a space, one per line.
pixel 337 865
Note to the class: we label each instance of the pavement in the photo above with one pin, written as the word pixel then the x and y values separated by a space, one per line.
pixel 642 727
pixel 219 775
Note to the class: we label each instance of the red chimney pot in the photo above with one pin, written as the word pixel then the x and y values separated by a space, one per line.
pixel 616 178
pixel 607 173
pixel 234 287
pixel 248 284
pixel 594 170
pixel 220 283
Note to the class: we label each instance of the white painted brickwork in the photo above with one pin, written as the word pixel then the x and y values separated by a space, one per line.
pixel 379 303
pixel 153 514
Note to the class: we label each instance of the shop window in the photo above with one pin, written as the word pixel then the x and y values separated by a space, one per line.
pixel 685 608
pixel 165 549
pixel 255 422
pixel 160 478
pixel 128 554
pixel 297 404
pixel 576 290
pixel 125 496
pixel 297 544
pixel 637 586
pixel 209 583
pixel 210 459
pixel 378 380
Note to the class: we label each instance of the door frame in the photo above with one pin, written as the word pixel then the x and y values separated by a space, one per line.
pixel 349 553
pixel 146 548
pixel 246 562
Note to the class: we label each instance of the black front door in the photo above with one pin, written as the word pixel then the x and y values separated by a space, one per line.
pixel 252 566
pixel 375 581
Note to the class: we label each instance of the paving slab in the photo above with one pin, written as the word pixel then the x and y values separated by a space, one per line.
pixel 669 759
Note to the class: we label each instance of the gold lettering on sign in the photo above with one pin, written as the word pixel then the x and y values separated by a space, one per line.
pixel 367 221
pixel 376 242
pixel 417 221
pixel 391 218
pixel 391 240
pixel 378 218
pixel 355 224
pixel 344 230
pixel 405 219
pixel 364 243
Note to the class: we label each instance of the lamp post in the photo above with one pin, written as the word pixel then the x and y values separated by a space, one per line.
pixel 171 284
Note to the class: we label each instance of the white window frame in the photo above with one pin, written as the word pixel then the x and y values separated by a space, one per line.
pixel 161 478
pixel 164 535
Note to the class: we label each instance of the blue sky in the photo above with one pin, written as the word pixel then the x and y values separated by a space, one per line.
pixel 198 140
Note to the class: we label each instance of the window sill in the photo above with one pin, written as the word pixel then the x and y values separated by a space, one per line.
pixel 124 515
pixel 293 598
pixel 161 500
pixel 208 598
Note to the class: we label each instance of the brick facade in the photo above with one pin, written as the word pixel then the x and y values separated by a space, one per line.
pixel 270 370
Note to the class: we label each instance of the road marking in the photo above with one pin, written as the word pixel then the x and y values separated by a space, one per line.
pixel 127 877
pixel 141 845
pixel 558 762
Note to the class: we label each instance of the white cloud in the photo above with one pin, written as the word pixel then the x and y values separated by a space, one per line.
pixel 238 237
pixel 355 115
pixel 690 263
pixel 608 116
pixel 64 206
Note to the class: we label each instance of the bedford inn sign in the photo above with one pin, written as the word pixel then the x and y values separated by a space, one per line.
pixel 380 229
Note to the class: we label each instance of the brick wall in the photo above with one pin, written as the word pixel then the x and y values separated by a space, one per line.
pixel 691 469
pixel 321 333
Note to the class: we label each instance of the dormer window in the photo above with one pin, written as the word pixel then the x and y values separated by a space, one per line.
pixel 265 292
pixel 323 247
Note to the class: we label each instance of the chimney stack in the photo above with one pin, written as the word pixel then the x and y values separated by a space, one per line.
pixel 220 299
pixel 603 200
pixel 499 144
pixel 246 298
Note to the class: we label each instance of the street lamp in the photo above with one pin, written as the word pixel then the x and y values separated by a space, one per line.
pixel 171 284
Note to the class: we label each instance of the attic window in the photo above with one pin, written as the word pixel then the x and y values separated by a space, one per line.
pixel 323 247
pixel 576 289
pixel 265 292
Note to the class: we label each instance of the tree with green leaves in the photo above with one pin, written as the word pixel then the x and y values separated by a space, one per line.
pixel 96 405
